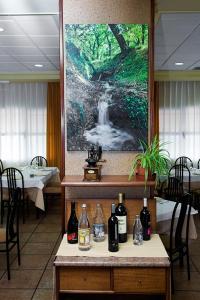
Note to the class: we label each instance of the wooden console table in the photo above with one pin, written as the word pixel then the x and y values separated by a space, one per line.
pixel 143 270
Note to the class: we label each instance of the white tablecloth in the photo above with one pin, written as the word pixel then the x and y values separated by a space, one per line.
pixel 34 182
pixel 164 210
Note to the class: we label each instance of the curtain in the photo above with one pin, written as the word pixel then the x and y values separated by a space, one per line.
pixel 179 118
pixel 54 125
pixel 22 122
pixel 156 109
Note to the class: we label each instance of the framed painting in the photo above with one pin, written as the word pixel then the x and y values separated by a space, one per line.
pixel 106 86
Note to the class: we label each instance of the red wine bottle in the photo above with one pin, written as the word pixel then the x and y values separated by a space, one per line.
pixel 121 214
pixel 146 221
pixel 72 226
pixel 113 243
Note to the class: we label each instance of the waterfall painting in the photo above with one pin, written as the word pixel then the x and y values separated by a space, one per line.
pixel 106 99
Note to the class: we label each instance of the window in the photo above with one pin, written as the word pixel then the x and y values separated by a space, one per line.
pixel 22 122
pixel 179 118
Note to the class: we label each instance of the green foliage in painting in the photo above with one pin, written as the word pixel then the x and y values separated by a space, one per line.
pixel 137 111
pixel 117 51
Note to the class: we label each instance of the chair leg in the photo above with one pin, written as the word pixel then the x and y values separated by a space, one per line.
pixel 8 262
pixel 18 251
pixel 181 258
pixel 23 212
pixel 2 211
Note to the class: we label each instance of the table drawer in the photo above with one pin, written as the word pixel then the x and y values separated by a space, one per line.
pixel 139 280
pixel 85 279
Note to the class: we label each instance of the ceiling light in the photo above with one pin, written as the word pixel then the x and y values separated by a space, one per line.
pixel 1 29
pixel 38 65
pixel 4 81
pixel 179 63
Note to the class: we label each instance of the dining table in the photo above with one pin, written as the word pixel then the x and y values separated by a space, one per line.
pixel 35 179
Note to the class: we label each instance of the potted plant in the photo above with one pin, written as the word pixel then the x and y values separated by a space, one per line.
pixel 154 160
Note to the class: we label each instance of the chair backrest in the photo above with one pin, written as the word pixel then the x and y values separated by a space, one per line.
pixel 1 166
pixel 176 230
pixel 40 161
pixel 12 223
pixel 184 160
pixel 198 164
pixel 181 173
pixel 174 189
pixel 15 179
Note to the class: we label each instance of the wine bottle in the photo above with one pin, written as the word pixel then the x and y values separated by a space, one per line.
pixel 113 243
pixel 72 226
pixel 146 221
pixel 121 214
pixel 84 230
pixel 98 225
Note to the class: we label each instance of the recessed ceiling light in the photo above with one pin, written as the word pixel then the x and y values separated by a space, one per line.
pixel 4 81
pixel 38 65
pixel 179 63
pixel 1 29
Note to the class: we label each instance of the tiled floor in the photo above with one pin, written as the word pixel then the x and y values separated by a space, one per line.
pixel 40 239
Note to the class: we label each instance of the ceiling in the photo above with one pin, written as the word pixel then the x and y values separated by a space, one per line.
pixel 30 36
pixel 177 39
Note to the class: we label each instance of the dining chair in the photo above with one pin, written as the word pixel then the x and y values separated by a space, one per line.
pixel 173 190
pixel 14 178
pixel 179 233
pixel 184 160
pixel 198 164
pixel 182 173
pixel 40 161
pixel 9 235
pixel 1 166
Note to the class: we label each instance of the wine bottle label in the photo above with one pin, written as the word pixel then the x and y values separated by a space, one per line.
pixel 98 230
pixel 122 224
pixel 72 236
pixel 84 236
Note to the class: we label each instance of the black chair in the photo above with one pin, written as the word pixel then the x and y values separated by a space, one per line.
pixel 15 179
pixel 174 189
pixel 184 160
pixel 9 236
pixel 182 174
pixel 178 244
pixel 40 161
pixel 198 164
pixel 1 166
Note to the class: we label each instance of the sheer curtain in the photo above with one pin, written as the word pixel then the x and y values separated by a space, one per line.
pixel 22 122
pixel 179 118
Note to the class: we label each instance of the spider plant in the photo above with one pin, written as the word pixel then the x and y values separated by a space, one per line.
pixel 154 159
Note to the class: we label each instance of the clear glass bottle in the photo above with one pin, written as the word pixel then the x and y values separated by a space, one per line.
pixel 98 225
pixel 84 230
pixel 137 232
